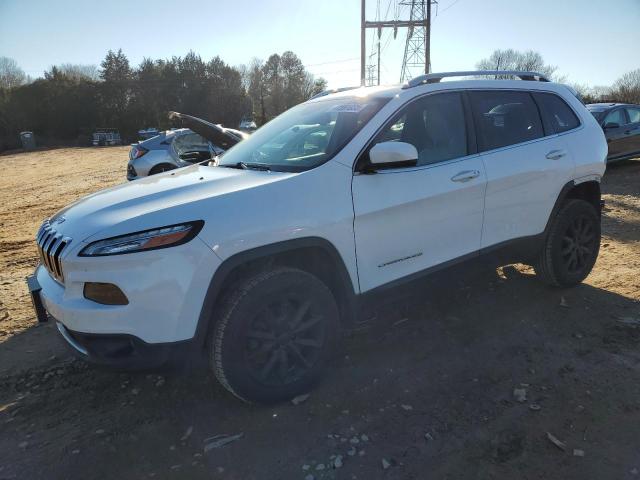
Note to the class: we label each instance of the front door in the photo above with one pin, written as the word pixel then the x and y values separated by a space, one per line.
pixel 412 218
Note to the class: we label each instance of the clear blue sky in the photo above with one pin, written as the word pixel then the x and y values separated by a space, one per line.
pixel 591 42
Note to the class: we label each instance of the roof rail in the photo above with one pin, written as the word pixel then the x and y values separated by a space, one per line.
pixel 436 77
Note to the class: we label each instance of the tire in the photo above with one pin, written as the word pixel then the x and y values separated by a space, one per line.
pixel 274 335
pixel 165 167
pixel 571 246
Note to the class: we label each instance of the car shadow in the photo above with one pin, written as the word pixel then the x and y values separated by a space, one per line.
pixel 441 358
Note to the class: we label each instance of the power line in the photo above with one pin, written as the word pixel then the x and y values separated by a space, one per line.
pixel 332 61
pixel 448 6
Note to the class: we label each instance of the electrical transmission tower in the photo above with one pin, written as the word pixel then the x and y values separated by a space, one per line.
pixel 417 54
pixel 417 49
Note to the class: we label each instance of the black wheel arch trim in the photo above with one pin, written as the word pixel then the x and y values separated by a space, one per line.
pixel 221 274
pixel 565 194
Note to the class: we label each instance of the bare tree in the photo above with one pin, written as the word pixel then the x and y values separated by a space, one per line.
pixel 80 72
pixel 627 88
pixel 510 59
pixel 11 75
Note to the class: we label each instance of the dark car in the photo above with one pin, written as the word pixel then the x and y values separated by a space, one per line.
pixel 621 125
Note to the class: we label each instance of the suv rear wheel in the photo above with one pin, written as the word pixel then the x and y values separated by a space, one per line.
pixel 571 246
pixel 274 335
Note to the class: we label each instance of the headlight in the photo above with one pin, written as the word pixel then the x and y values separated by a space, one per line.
pixel 154 239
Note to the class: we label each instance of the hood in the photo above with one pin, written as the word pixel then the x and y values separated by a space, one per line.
pixel 155 201
pixel 224 138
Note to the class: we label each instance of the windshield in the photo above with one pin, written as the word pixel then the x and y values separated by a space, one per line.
pixel 305 136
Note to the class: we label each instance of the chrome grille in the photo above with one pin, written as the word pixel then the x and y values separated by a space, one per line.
pixel 51 244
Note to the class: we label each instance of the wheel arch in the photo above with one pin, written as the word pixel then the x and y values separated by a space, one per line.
pixel 315 255
pixel 588 191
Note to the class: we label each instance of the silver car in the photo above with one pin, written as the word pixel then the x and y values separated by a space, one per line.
pixel 181 147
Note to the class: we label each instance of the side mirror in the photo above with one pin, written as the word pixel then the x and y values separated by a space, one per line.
pixel 611 125
pixel 393 155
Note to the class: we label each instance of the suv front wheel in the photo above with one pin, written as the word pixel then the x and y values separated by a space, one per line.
pixel 274 335
pixel 571 246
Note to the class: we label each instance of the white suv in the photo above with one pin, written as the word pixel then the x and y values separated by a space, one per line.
pixel 262 257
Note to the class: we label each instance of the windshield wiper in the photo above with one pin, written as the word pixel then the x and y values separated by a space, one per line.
pixel 248 166
pixel 256 166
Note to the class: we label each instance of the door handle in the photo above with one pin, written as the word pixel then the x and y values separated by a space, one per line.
pixel 465 176
pixel 556 154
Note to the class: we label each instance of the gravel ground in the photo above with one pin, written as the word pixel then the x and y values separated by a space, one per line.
pixel 484 375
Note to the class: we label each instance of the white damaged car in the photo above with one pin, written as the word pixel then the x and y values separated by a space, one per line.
pixel 259 259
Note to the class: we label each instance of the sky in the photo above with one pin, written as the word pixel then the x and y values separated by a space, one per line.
pixel 591 42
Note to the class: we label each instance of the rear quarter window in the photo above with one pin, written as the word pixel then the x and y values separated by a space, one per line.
pixel 558 117
pixel 505 118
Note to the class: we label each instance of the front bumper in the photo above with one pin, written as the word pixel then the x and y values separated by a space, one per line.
pixel 166 289
pixel 108 350
pixel 122 351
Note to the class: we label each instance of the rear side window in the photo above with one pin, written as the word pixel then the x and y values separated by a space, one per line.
pixel 616 117
pixel 505 118
pixel 557 115
pixel 634 114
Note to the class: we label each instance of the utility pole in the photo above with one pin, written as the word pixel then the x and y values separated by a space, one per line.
pixel 363 41
pixel 418 37
pixel 379 35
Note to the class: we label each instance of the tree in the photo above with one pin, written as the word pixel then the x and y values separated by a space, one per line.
pixel 273 87
pixel 11 75
pixel 510 59
pixel 71 100
pixel 115 67
pixel 627 88
pixel 314 86
pixel 115 91
pixel 80 72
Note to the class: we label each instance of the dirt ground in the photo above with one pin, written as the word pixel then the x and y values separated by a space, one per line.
pixel 428 391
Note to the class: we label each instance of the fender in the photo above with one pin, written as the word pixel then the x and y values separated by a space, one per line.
pixel 565 193
pixel 348 296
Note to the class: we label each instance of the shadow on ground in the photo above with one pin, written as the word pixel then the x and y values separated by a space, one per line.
pixel 429 384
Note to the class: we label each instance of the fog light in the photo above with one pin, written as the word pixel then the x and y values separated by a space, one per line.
pixel 105 293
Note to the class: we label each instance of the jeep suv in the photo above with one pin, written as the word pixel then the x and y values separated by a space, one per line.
pixel 262 256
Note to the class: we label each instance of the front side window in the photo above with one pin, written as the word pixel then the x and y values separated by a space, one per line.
pixel 505 118
pixel 434 124
pixel 558 115
pixel 616 117
pixel 305 136
pixel 634 114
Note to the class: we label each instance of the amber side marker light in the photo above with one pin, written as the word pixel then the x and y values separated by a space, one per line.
pixel 104 293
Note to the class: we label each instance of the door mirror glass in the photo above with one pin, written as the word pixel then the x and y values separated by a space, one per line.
pixel 393 155
pixel 611 125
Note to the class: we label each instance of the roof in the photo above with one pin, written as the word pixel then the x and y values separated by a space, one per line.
pixel 604 106
pixel 390 91
pixel 472 80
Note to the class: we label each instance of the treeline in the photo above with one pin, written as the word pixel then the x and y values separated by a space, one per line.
pixel 71 101
pixel 625 89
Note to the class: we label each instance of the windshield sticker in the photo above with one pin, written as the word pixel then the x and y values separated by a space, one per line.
pixel 348 108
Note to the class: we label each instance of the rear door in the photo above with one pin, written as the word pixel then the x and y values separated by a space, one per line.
pixel 614 125
pixel 408 219
pixel 632 129
pixel 526 169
